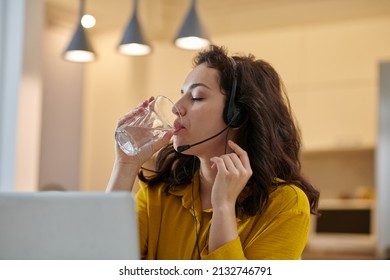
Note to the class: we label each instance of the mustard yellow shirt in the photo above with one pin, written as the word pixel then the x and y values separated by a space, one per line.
pixel 167 227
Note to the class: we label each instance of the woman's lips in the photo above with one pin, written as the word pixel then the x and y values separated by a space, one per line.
pixel 177 126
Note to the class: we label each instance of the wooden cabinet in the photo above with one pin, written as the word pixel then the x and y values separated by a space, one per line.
pixel 342 173
pixel 346 181
pixel 336 118
pixel 345 225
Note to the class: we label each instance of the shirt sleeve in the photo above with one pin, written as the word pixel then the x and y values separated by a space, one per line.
pixel 280 233
pixel 141 198
pixel 230 251
pixel 284 239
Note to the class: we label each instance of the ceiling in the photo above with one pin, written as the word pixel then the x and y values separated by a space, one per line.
pixel 160 19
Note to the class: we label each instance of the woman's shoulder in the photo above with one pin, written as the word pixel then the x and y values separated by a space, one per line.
pixel 288 197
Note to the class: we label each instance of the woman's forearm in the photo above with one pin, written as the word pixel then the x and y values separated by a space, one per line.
pixel 122 177
pixel 223 228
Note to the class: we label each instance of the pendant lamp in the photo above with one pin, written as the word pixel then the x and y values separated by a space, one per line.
pixel 79 48
pixel 133 42
pixel 191 35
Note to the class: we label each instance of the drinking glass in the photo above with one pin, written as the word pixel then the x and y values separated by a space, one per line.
pixel 147 127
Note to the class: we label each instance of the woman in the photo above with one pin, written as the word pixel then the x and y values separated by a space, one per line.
pixel 229 186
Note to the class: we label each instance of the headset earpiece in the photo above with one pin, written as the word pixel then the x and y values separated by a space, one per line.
pixel 231 110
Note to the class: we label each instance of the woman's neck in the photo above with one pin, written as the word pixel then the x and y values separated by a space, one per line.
pixel 206 175
pixel 206 182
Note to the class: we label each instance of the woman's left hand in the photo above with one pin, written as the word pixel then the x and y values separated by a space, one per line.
pixel 233 172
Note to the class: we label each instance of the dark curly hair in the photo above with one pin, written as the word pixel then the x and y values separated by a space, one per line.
pixel 267 132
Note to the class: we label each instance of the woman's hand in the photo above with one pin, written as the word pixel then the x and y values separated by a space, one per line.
pixel 233 172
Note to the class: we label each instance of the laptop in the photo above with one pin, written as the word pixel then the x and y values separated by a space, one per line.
pixel 68 226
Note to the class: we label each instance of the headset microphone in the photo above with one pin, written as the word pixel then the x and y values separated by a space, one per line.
pixel 186 147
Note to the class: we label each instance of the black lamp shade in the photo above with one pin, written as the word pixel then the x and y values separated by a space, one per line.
pixel 79 41
pixel 192 34
pixel 79 48
pixel 133 42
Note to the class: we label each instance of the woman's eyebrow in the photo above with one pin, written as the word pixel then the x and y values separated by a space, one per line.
pixel 195 85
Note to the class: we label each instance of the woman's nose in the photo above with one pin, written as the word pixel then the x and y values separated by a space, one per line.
pixel 177 109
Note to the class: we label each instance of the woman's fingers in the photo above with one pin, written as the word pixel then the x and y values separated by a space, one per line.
pixel 129 115
pixel 236 163
pixel 241 153
pixel 134 112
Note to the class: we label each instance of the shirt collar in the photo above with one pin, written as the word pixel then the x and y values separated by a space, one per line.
pixel 189 193
pixel 186 196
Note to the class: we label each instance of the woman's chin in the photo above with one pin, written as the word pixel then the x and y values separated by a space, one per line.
pixel 175 143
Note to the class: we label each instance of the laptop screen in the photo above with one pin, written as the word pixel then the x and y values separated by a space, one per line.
pixel 68 226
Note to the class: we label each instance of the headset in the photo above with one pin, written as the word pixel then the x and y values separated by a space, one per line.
pixel 231 112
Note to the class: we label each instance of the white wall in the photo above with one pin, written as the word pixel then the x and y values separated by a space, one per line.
pixel 11 59
pixel 40 116
pixel 28 127
pixel 61 114
pixel 21 92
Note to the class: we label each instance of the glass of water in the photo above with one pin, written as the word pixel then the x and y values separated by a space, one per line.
pixel 147 127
